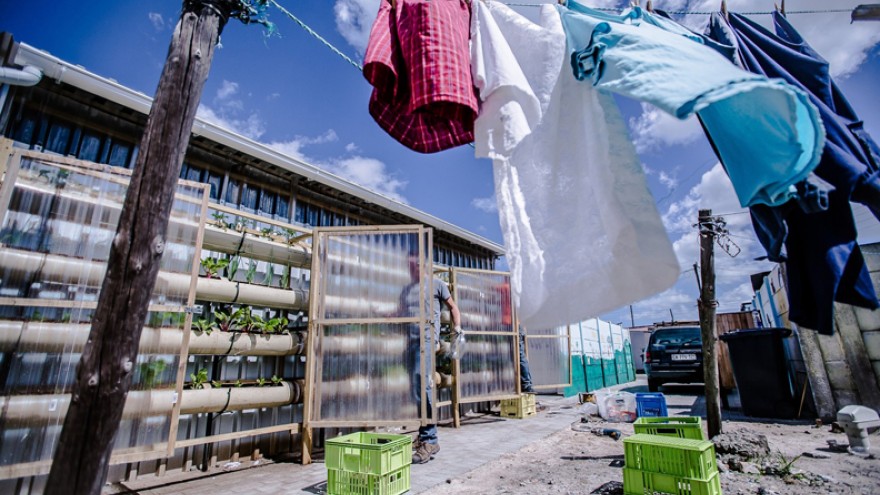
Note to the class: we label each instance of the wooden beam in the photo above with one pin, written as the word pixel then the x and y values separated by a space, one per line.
pixel 105 371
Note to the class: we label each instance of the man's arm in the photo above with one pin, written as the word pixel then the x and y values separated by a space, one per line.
pixel 456 315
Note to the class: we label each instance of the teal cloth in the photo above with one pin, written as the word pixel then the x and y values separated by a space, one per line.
pixel 768 134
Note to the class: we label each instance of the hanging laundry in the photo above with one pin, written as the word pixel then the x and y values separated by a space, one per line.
pixel 767 132
pixel 417 61
pixel 558 146
pixel 825 264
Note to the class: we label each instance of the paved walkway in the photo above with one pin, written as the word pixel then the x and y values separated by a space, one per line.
pixel 481 439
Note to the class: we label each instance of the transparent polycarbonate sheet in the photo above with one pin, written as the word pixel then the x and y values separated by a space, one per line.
pixel 616 338
pixel 591 344
pixel 368 372
pixel 484 301
pixel 488 367
pixel 549 356
pixel 58 220
pixel 370 296
pixel 370 275
pixel 606 342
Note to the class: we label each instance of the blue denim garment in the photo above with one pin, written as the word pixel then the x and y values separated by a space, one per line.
pixel 824 262
pixel 768 134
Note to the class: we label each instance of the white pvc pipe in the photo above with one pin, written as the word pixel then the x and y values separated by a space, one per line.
pixel 226 241
pixel 26 76
pixel 35 410
pixel 38 336
pixel 60 268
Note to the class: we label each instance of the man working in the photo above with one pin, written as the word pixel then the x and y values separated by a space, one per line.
pixel 427 444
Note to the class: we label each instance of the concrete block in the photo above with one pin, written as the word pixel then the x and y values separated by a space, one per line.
pixel 872 344
pixel 839 376
pixel 831 348
pixel 845 398
pixel 868 319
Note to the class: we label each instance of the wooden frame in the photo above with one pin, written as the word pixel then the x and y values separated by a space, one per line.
pixel 10 165
pixel 457 399
pixel 567 337
pixel 317 321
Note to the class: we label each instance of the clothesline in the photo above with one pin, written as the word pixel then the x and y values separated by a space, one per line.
pixel 697 12
pixel 676 12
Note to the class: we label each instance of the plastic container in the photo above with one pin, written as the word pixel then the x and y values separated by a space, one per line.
pixel 681 457
pixel 637 482
pixel 689 427
pixel 368 453
pixel 340 482
pixel 521 407
pixel 760 368
pixel 651 404
pixel 617 407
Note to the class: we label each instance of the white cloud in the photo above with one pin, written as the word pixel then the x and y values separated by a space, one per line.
pixel 227 90
pixel 251 126
pixel 366 172
pixel 667 180
pixel 352 148
pixel 487 205
pixel 157 21
pixel 354 18
pixel 844 45
pixel 733 285
pixel 654 129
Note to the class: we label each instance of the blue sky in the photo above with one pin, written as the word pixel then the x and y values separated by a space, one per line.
pixel 293 93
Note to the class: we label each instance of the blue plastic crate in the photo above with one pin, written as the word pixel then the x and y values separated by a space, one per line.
pixel 650 404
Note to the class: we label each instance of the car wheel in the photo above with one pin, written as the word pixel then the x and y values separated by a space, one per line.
pixel 653 385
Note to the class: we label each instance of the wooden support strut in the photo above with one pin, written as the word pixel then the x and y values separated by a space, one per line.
pixel 103 378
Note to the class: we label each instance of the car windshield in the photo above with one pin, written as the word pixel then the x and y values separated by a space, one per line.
pixel 676 336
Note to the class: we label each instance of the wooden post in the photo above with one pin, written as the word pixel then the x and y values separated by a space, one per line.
pixel 707 305
pixel 104 374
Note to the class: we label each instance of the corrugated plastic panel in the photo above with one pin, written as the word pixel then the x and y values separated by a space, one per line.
pixel 549 356
pixel 58 220
pixel 367 308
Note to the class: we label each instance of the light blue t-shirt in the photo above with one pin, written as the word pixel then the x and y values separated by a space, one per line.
pixel 768 134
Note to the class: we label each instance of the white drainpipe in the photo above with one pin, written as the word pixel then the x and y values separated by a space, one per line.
pixel 26 76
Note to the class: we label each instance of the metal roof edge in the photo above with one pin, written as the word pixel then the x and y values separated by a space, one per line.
pixel 77 76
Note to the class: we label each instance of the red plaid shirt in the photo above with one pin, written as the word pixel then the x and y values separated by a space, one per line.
pixel 419 65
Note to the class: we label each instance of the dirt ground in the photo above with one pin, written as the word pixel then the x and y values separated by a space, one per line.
pixel 798 460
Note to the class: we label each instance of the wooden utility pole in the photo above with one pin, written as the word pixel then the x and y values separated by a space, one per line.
pixel 707 305
pixel 104 374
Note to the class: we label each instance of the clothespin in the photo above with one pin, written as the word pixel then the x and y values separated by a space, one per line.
pixel 649 6
pixel 724 8
pixel 781 9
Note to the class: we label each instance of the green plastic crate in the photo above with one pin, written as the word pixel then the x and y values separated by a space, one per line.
pixel 680 457
pixel 340 482
pixel 368 453
pixel 521 407
pixel 677 426
pixel 637 482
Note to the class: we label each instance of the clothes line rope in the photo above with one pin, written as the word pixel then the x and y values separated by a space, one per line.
pixel 698 12
pixel 317 36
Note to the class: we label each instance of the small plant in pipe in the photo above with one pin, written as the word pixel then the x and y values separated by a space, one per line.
pixel 232 269
pixel 251 272
pixel 216 384
pixel 220 220
pixel 267 232
pixel 289 234
pixel 204 325
pixel 150 371
pixel 261 381
pixel 277 325
pixel 277 380
pixel 226 322
pixel 270 275
pixel 213 266
pixel 198 379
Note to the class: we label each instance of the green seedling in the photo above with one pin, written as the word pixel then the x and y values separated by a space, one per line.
pixel 198 378
pixel 213 266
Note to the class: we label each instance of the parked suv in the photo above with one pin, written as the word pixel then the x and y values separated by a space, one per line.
pixel 674 354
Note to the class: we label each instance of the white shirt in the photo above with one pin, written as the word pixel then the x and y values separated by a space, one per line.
pixel 580 226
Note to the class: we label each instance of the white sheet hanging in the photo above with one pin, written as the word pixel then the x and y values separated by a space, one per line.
pixel 581 229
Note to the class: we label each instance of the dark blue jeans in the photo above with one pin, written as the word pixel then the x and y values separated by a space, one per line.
pixel 525 377
pixel 426 433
